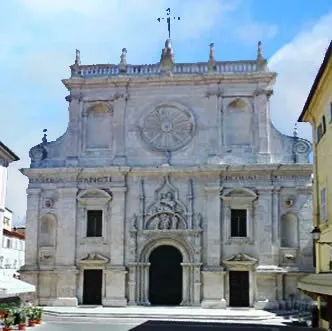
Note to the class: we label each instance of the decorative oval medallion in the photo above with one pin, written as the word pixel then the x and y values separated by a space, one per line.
pixel 168 128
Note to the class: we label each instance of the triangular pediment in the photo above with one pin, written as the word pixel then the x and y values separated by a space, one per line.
pixel 94 195
pixel 240 258
pixel 94 258
pixel 239 193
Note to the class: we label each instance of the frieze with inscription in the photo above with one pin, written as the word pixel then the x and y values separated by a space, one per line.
pixel 55 180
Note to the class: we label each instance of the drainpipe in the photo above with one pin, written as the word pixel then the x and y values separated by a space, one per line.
pixel 317 193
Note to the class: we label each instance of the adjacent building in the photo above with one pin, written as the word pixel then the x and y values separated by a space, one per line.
pixel 11 242
pixel 13 247
pixel 170 186
pixel 318 112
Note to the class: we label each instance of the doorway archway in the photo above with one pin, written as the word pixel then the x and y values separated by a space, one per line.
pixel 165 276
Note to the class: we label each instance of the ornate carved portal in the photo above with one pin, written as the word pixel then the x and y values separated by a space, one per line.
pixel 166 221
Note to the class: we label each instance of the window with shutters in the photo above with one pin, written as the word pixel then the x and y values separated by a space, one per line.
pixel 94 223
pixel 238 223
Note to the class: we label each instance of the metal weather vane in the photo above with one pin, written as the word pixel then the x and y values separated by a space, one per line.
pixel 168 20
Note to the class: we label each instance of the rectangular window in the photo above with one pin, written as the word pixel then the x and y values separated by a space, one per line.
pixel 239 223
pixel 323 206
pixel 94 223
pixel 324 124
pixel 319 132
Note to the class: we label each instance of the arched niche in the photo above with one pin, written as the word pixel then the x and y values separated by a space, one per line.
pixel 98 133
pixel 238 126
pixel 48 230
pixel 289 230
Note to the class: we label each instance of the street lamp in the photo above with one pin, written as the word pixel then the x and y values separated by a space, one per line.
pixel 316 235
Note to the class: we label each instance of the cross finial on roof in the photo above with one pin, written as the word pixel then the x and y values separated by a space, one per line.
pixel 168 20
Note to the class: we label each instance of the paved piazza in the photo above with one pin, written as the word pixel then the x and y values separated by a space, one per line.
pixel 146 325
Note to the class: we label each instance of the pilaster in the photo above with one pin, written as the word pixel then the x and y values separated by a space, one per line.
pixel 66 236
pixel 66 287
pixel 75 117
pixel 119 142
pixel 212 236
pixel 264 221
pixel 115 287
pixel 213 289
pixel 117 223
pixel 31 231
pixel 263 114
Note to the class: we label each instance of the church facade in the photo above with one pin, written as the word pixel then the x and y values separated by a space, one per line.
pixel 170 186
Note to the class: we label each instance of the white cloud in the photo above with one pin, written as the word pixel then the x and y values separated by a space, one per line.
pixel 297 64
pixel 42 7
pixel 251 32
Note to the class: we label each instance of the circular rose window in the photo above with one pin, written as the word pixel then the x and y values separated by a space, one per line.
pixel 168 128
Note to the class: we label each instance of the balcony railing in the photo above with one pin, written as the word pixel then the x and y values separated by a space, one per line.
pixel 231 67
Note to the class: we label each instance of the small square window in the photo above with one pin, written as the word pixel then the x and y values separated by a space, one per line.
pixel 239 223
pixel 94 223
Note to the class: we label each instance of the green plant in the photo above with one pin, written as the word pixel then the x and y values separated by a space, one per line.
pixel 38 312
pixel 31 313
pixel 8 321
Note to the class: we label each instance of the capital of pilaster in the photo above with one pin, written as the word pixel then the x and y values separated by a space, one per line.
pixel 33 191
pixel 211 189
pixel 68 191
pixel 265 189
pixel 276 189
pixel 121 189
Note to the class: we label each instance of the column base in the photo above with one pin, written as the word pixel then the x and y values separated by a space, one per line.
pixel 64 301
pixel 115 302
pixel 214 304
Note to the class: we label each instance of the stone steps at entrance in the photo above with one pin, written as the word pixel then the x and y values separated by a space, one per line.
pixel 170 313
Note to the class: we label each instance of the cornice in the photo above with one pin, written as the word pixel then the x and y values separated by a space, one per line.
pixel 158 80
pixel 273 172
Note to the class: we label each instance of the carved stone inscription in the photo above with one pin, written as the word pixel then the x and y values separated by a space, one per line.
pixel 105 179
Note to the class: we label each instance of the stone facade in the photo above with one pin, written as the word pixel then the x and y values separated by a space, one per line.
pixel 167 152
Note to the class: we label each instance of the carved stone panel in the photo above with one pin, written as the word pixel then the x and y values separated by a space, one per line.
pixel 168 127
pixel 167 211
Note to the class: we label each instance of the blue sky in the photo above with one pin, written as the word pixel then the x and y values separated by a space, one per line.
pixel 39 38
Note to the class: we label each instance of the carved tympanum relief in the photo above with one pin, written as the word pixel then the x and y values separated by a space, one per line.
pixel 168 127
pixel 166 213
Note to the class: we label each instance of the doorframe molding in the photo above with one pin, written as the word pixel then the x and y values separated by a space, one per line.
pixel 93 261
pixel 241 262
pixel 191 281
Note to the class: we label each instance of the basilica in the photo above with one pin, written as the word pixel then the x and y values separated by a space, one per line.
pixel 170 186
